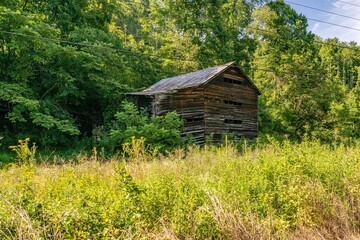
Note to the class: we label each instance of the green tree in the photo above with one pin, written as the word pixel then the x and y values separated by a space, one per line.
pixel 286 68
pixel 67 89
pixel 22 60
pixel 211 31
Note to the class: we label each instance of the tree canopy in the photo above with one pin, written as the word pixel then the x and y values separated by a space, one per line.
pixel 66 65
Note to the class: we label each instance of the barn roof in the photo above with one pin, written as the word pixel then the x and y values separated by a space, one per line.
pixel 192 79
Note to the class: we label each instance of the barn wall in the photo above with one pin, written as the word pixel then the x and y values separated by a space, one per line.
pixel 189 104
pixel 231 106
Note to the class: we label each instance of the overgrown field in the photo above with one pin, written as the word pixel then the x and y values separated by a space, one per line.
pixel 277 191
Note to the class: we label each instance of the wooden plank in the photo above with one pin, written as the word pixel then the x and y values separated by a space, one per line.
pixel 206 109
pixel 217 110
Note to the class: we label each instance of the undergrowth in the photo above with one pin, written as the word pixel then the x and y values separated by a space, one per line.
pixel 277 191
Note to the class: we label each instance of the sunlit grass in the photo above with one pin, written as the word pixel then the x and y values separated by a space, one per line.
pixel 307 191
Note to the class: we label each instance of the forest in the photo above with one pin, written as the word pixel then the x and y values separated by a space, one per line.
pixel 66 66
pixel 79 160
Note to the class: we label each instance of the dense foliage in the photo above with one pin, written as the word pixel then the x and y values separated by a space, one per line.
pixel 276 191
pixel 312 86
pixel 159 132
pixel 65 66
pixel 65 69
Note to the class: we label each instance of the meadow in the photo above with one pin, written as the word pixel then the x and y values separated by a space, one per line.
pixel 277 190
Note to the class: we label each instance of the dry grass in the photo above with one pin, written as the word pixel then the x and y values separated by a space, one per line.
pixel 306 191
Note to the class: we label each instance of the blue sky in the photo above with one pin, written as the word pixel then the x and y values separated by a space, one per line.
pixel 328 31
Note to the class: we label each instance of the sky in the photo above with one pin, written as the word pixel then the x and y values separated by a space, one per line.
pixel 328 31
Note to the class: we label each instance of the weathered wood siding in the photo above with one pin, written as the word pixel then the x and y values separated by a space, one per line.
pixel 227 104
pixel 230 106
pixel 189 104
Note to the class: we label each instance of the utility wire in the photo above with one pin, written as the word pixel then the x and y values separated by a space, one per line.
pixel 315 41
pixel 333 24
pixel 348 3
pixel 162 57
pixel 277 72
pixel 170 58
pixel 90 45
pixel 321 10
pixel 145 54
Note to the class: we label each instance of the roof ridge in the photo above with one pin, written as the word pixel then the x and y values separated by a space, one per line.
pixel 225 64
pixel 187 80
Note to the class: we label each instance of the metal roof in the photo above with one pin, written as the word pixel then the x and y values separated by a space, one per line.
pixel 189 80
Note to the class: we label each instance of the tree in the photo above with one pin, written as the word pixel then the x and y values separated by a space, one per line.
pixel 22 59
pixel 286 68
pixel 67 89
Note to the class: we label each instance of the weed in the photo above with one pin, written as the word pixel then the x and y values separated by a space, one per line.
pixel 25 154
pixel 276 191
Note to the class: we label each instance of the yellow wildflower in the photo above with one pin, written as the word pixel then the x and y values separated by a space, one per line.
pixel 12 147
pixel 20 141
pixel 27 139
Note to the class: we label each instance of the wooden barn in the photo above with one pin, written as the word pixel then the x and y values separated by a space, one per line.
pixel 212 101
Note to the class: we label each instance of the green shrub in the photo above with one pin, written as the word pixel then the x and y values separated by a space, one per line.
pixel 159 132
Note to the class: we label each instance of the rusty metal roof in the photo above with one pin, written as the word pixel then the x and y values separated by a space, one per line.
pixel 187 80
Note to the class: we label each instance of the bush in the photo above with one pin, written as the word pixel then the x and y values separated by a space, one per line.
pixel 159 132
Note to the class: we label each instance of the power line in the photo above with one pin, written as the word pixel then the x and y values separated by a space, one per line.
pixel 315 41
pixel 321 10
pixel 172 58
pixel 283 72
pixel 348 3
pixel 142 54
pixel 157 56
pixel 334 24
pixel 90 45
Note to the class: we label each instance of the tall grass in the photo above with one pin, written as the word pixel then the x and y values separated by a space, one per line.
pixel 277 191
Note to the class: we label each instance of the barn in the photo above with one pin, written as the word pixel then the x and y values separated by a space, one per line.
pixel 212 102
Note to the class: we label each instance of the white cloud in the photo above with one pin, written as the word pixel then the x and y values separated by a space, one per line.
pixel 315 27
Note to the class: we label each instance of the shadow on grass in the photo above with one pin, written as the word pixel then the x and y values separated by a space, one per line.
pixel 6 157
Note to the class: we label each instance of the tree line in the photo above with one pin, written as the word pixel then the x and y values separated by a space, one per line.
pixel 66 65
